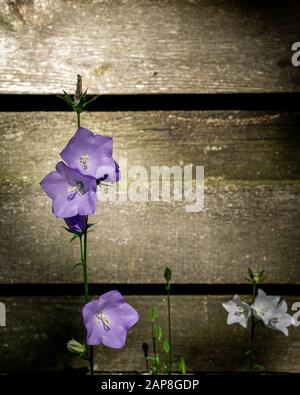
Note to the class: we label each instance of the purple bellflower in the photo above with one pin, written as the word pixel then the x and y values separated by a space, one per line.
pixel 91 155
pixel 77 224
pixel 71 192
pixel 108 320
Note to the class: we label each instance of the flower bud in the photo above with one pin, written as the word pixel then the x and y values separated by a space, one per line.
pixel 76 347
pixel 78 91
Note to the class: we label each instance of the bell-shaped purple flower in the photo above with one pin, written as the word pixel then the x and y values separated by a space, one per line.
pixel 108 320
pixel 77 224
pixel 71 192
pixel 91 155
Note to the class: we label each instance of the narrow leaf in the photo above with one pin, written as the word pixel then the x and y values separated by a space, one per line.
pixel 158 332
pixel 77 264
pixel 166 346
pixel 153 314
pixel 90 100
pixel 73 238
pixel 182 366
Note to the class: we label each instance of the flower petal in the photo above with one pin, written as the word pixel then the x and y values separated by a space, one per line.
pixel 228 306
pixel 114 337
pixel 85 151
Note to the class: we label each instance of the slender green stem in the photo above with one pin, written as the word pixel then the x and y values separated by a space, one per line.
pixel 154 346
pixel 253 292
pixel 84 266
pixel 252 329
pixel 83 254
pixel 170 333
pixel 86 290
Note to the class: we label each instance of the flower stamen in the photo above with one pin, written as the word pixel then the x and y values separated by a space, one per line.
pixel 239 311
pixel 262 310
pixel 76 188
pixel 73 189
pixel 105 320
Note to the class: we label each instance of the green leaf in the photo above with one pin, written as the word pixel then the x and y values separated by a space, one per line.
pixel 158 332
pixel 248 354
pixel 182 365
pixel 68 99
pixel 157 359
pixel 168 274
pixel 77 264
pixel 166 346
pixel 68 230
pixel 153 314
pixel 84 93
pixel 90 101
pixel 250 273
pixel 61 97
pixel 73 238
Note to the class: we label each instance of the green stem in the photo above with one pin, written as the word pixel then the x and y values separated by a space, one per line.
pixel 84 268
pixel 86 290
pixel 83 254
pixel 154 347
pixel 170 333
pixel 252 329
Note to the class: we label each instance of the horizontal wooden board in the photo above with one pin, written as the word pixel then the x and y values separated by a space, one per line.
pixel 251 213
pixel 231 145
pixel 38 328
pixel 132 46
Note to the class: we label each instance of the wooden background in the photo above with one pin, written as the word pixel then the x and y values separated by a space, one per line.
pixel 251 160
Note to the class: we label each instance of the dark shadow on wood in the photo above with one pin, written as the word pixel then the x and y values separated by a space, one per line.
pixel 143 289
pixel 158 102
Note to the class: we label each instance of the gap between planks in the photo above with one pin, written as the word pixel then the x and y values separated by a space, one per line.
pixel 158 102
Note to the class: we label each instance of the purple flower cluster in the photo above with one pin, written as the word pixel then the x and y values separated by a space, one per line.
pixel 87 161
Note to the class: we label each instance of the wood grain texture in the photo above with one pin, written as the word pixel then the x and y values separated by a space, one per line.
pixel 134 46
pixel 251 211
pixel 38 328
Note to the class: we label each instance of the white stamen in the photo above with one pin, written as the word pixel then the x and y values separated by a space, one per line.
pixel 79 187
pixel 104 319
pixel 239 311
pixel 262 310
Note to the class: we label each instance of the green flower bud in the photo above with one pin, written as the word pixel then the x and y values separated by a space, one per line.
pixel 166 345
pixel 182 365
pixel 168 274
pixel 158 332
pixel 76 347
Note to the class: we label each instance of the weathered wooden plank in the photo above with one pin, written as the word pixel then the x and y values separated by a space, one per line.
pixel 252 220
pixel 229 144
pixel 241 226
pixel 149 46
pixel 38 329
